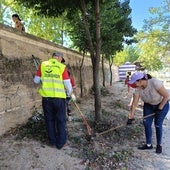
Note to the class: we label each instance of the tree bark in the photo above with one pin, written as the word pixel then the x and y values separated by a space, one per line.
pixel 81 79
pixel 103 71
pixel 96 65
pixel 95 55
pixel 111 74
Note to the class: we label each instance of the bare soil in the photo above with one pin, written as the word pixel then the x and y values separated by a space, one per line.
pixel 113 144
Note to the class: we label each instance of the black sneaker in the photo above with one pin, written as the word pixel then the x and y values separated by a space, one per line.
pixel 130 121
pixel 145 147
pixel 158 149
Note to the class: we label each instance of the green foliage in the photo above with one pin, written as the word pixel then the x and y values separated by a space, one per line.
pixel 50 28
pixel 116 23
pixel 115 26
pixel 90 28
pixel 5 11
pixel 77 33
pixel 51 8
pixel 160 17
pixel 150 50
pixel 120 58
pixel 130 54
pixel 154 40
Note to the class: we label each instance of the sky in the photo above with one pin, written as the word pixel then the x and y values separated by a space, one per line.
pixel 140 11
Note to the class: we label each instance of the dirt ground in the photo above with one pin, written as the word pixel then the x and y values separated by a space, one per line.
pixel 116 149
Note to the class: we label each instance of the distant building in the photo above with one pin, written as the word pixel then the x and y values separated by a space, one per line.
pixel 127 68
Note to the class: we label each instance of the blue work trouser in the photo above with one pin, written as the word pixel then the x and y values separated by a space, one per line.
pixel 55 119
pixel 158 121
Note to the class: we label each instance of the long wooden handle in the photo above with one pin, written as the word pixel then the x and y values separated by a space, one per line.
pixel 84 119
pixel 114 128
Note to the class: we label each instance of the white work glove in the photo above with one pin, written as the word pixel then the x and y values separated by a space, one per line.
pixel 73 97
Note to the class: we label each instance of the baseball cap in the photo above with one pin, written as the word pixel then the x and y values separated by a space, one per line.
pixel 57 53
pixel 136 76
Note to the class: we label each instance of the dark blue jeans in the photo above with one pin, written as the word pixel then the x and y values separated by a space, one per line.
pixel 55 119
pixel 158 121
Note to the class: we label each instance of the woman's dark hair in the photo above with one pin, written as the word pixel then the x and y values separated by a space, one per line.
pixel 17 16
pixel 146 77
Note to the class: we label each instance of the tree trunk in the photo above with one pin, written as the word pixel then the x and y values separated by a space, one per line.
pixel 1 13
pixel 95 55
pixel 86 26
pixel 111 74
pixel 81 79
pixel 96 65
pixel 97 92
pixel 103 71
pixel 62 32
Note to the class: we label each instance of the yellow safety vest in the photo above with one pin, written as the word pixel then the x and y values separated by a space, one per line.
pixel 51 79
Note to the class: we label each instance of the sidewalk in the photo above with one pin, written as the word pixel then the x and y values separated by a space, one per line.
pixel 166 137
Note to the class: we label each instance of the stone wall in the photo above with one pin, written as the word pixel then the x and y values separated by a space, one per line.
pixel 18 93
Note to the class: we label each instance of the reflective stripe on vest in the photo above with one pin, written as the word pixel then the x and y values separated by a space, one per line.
pixel 51 78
